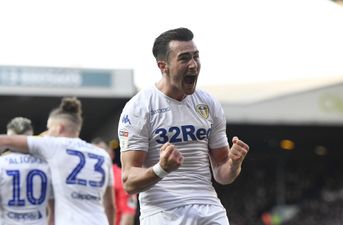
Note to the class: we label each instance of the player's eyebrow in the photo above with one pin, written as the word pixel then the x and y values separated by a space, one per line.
pixel 188 53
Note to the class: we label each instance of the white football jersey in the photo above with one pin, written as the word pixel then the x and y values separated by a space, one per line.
pixel 81 172
pixel 25 187
pixel 194 125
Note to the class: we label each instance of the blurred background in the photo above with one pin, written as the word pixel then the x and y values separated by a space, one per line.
pixel 276 67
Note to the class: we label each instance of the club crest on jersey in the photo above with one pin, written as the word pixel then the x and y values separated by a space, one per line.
pixel 203 110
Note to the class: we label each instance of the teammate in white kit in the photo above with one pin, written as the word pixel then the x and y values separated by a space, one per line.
pixel 25 183
pixel 170 135
pixel 82 173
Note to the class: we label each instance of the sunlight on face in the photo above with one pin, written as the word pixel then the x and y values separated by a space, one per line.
pixel 183 67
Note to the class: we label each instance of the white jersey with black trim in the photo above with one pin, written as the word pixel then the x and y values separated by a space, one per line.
pixel 25 188
pixel 81 172
pixel 194 125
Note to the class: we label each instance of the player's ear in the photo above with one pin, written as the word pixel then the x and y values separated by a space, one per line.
pixel 163 66
pixel 61 128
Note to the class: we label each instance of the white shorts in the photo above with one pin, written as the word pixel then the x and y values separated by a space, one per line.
pixel 196 214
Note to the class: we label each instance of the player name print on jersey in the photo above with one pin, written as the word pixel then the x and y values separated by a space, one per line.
pixel 23 159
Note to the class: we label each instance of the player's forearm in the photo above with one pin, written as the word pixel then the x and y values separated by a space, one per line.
pixel 139 179
pixel 227 172
pixel 110 213
pixel 16 143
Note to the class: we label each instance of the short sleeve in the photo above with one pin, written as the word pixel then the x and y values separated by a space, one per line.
pixel 218 137
pixel 42 147
pixel 133 127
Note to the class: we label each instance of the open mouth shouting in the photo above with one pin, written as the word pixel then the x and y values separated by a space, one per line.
pixel 189 82
pixel 190 79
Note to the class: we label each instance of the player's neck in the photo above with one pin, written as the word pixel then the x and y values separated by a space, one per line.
pixel 169 91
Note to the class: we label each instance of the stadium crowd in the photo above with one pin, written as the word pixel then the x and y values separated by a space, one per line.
pixel 312 190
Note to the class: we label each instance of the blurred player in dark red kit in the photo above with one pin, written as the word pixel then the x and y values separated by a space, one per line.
pixel 125 203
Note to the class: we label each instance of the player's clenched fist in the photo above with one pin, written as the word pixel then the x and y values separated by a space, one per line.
pixel 238 150
pixel 170 157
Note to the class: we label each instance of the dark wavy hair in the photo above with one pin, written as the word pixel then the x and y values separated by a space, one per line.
pixel 160 49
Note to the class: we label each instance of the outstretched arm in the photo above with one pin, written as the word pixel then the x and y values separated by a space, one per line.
pixel 227 162
pixel 136 178
pixel 16 143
